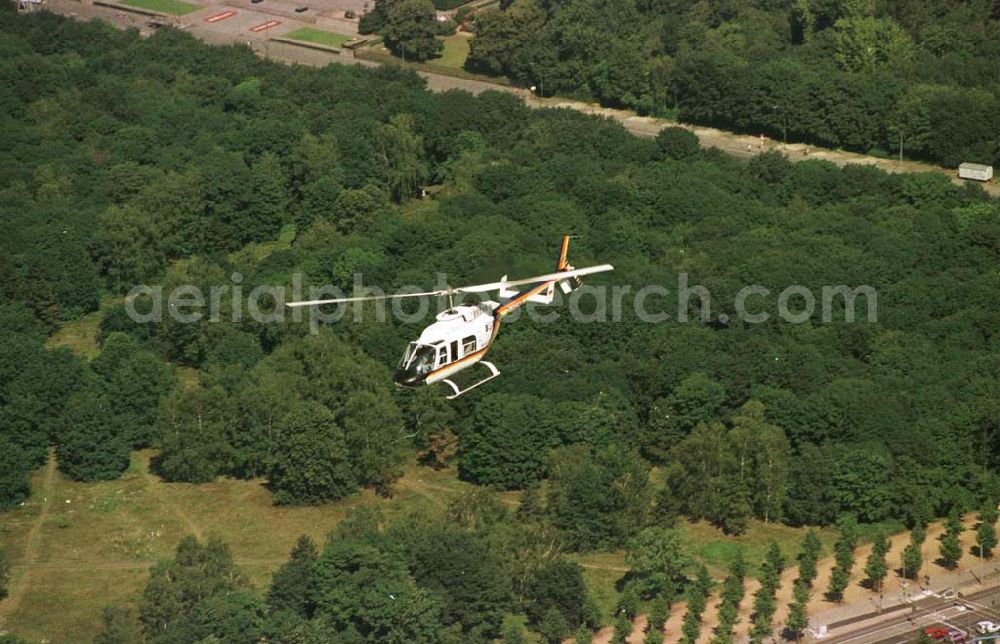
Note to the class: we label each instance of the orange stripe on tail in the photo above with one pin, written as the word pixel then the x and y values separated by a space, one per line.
pixel 563 252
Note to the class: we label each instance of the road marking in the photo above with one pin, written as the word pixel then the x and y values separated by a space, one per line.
pixel 220 16
pixel 265 25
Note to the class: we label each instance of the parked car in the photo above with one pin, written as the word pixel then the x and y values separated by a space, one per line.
pixel 936 632
pixel 956 636
pixel 987 628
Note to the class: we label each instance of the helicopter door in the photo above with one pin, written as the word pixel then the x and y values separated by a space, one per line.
pixel 454 350
pixel 442 356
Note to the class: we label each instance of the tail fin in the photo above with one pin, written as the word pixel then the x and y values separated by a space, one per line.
pixel 563 252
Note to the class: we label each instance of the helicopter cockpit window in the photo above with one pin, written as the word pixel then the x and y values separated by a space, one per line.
pixel 407 355
pixel 419 358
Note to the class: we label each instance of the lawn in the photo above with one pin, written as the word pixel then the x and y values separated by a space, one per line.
pixel 456 50
pixel 173 7
pixel 80 336
pixel 320 37
pixel 451 61
pixel 717 550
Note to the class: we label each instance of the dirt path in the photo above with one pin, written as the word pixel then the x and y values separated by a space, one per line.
pixel 78 566
pixel 742 628
pixel 710 618
pixel 21 585
pixel 154 486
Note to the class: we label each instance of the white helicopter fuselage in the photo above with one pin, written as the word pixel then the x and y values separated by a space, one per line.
pixel 459 338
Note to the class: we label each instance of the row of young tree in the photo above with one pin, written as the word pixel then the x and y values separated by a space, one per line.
pixel 860 74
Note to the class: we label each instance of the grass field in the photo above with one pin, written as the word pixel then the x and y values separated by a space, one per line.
pixel 80 336
pixel 451 62
pixel 98 540
pixel 173 7
pixel 320 37
pixel 456 50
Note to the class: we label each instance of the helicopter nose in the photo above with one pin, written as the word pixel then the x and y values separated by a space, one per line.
pixel 405 378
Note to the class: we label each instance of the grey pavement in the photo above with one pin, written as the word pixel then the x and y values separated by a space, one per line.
pixel 901 596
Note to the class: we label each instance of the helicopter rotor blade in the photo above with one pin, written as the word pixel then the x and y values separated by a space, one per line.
pixel 549 277
pixel 365 298
pixel 475 288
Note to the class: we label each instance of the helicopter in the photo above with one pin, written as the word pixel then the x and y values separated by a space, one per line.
pixel 461 335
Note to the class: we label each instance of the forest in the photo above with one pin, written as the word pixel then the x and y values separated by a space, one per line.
pixel 131 161
pixel 917 77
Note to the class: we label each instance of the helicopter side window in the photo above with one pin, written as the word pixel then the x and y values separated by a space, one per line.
pixel 468 345
pixel 442 355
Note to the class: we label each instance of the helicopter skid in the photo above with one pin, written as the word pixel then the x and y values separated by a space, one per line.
pixel 494 372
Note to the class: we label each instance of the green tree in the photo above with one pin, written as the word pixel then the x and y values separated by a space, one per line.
pixel 558 584
pixel 292 585
pixel 140 380
pixel 194 426
pixel 583 635
pixel 93 446
pixel 876 568
pixel 773 558
pixel 506 442
pixel 400 150
pixel 951 547
pixel 14 486
pixel 514 635
pixel 501 36
pixel 732 596
pixel 697 599
pixel 553 627
pixel 313 463
pixel 986 534
pixel 843 551
pixel 467 577
pixel 865 44
pixel 797 620
pixel 4 574
pixel 597 498
pixel 912 557
pixel 658 558
pixel 365 588
pixel 809 557
pixel 410 30
pixel 677 143
pixel 128 247
pixel 623 629
pixel 268 198
pixel 178 587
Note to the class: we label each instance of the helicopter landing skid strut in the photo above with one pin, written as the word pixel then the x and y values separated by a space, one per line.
pixel 494 372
